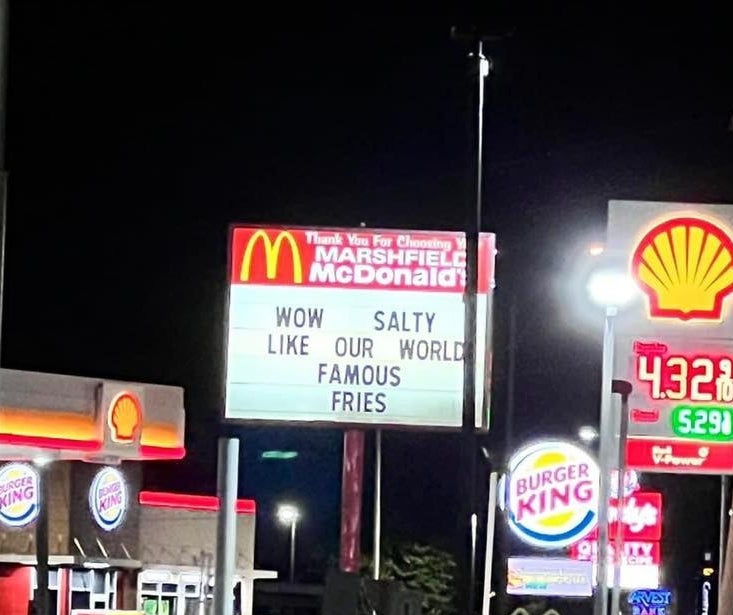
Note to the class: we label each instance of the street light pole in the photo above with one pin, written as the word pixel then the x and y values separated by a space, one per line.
pixel 293 523
pixel 623 388
pixel 600 605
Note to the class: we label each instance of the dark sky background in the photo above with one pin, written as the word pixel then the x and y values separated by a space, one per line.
pixel 138 131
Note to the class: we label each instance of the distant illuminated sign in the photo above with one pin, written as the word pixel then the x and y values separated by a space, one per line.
pixel 551 494
pixel 685 267
pixel 108 498
pixel 19 495
pixel 650 601
pixel 125 417
pixel 352 326
pixel 545 576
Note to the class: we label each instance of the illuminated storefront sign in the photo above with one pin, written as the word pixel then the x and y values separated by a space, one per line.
pixel 108 498
pixel 685 267
pixel 352 326
pixel 19 497
pixel 542 576
pixel 550 494
pixel 641 517
pixel 125 417
pixel 676 345
pixel 635 552
pixel 681 407
pixel 650 601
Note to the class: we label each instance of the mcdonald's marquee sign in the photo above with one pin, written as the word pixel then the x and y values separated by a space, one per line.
pixel 353 326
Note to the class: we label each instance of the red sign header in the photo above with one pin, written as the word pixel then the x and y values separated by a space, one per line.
pixel 357 258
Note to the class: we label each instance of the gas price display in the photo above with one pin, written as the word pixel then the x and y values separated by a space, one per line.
pixel 678 377
pixel 703 423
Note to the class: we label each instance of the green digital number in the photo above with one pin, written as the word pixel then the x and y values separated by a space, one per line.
pixel 703 423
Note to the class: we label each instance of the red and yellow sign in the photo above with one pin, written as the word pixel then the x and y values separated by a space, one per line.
pixel 125 418
pixel 685 267
pixel 354 258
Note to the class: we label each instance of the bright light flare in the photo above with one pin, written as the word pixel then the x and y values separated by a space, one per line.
pixel 287 514
pixel 587 433
pixel 596 249
pixel 611 288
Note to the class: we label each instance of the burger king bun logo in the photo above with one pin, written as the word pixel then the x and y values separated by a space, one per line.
pixel 550 494
pixel 108 498
pixel 18 494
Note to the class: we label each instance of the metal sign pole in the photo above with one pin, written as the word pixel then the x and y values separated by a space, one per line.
pixel 490 533
pixel 227 481
pixel 377 504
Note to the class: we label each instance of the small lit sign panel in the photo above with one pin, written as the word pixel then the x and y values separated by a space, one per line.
pixel 19 494
pixel 650 601
pixel 108 498
pixel 125 418
pixel 550 494
pixel 544 576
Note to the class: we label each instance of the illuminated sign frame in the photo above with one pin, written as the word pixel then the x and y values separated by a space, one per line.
pixel 125 403
pixel 103 478
pixel 347 364
pixel 29 479
pixel 572 483
pixel 674 249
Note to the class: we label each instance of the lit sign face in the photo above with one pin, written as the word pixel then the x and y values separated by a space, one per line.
pixel 685 267
pixel 641 516
pixel 650 601
pixel 124 418
pixel 681 407
pixel 19 494
pixel 551 494
pixel 634 553
pixel 544 576
pixel 352 326
pixel 108 498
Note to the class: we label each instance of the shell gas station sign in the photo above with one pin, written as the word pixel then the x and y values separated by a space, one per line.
pixel 73 418
pixel 675 345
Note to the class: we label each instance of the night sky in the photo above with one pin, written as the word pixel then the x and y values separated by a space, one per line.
pixel 139 131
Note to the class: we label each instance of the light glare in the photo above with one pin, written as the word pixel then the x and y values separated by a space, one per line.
pixel 611 288
pixel 587 433
pixel 287 514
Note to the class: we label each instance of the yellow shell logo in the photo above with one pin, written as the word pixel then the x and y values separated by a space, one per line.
pixel 125 418
pixel 685 268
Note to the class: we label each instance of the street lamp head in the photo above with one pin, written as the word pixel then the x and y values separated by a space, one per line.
pixel 287 514
pixel 588 433
pixel 611 288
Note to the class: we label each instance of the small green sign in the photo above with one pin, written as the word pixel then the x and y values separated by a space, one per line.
pixel 713 423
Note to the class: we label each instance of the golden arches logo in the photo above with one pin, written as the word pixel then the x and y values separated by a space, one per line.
pixel 685 267
pixel 272 255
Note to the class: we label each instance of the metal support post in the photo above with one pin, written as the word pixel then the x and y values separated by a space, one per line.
pixel 293 525
pixel 600 605
pixel 227 480
pixel 351 496
pixel 42 602
pixel 490 527
pixel 377 504
pixel 622 388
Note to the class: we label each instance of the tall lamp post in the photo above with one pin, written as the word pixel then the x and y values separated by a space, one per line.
pixel 288 514
pixel 611 288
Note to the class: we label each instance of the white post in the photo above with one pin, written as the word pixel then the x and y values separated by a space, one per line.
pixel 607 437
pixel 377 504
pixel 490 525
pixel 226 526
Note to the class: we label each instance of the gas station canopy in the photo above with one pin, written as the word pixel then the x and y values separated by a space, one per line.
pixel 54 417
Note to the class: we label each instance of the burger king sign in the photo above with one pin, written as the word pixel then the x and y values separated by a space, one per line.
pixel 550 494
pixel 18 494
pixel 108 498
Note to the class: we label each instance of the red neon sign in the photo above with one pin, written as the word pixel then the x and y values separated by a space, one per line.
pixel 634 552
pixel 186 501
pixel 641 517
pixel 695 377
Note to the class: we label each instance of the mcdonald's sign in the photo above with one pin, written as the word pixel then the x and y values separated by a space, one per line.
pixel 273 265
